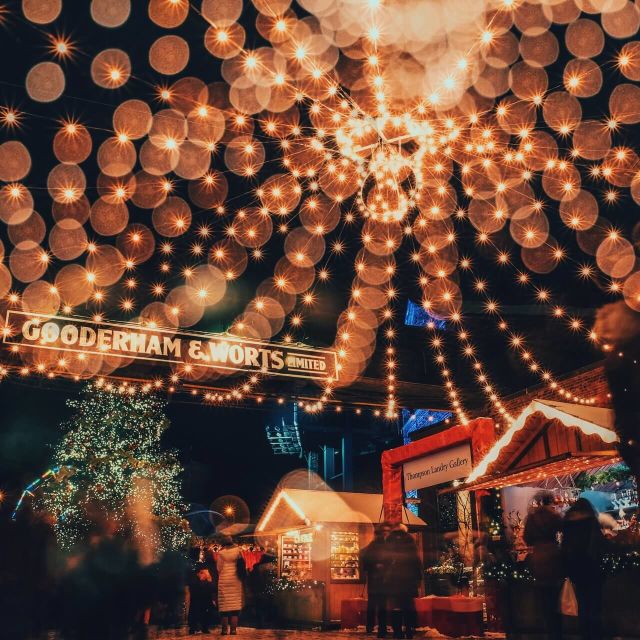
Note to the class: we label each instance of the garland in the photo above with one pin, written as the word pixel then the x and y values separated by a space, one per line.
pixel 612 564
pixel 284 584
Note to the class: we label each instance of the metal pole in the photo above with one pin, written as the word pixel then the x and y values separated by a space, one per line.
pixel 347 461
pixel 329 460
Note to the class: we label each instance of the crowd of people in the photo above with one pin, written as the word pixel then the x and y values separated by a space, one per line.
pixel 393 571
pixel 105 590
pixel 101 589
pixel 575 554
pixel 223 591
pixel 566 554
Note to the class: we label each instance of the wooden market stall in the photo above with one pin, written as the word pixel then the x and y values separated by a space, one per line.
pixel 441 459
pixel 427 465
pixel 318 536
pixel 545 447
pixel 555 446
pixel 548 439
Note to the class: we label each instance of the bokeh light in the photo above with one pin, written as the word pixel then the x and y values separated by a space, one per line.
pixel 316 161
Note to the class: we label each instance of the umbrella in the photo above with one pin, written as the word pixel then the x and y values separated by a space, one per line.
pixel 600 500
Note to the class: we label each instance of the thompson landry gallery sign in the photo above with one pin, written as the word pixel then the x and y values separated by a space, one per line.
pixel 214 351
pixel 446 465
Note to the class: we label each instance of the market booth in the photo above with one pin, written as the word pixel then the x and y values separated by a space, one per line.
pixel 548 439
pixel 440 460
pixel 570 450
pixel 476 436
pixel 318 536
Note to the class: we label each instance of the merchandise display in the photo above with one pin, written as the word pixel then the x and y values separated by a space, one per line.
pixel 295 557
pixel 345 556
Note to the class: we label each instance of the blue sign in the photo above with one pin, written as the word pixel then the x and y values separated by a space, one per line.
pixel 418 316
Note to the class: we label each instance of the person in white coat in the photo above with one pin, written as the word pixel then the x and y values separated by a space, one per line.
pixel 230 592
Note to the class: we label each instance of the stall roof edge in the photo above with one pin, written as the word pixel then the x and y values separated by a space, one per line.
pixel 307 506
pixel 590 420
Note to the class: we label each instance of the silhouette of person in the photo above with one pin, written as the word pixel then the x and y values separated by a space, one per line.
pixel 201 598
pixel 541 529
pixel 374 561
pixel 582 550
pixel 404 573
pixel 230 588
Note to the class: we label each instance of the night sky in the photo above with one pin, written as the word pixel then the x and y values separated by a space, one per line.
pixel 225 452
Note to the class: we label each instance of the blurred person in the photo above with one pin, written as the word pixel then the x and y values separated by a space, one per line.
pixel 618 328
pixel 41 572
pixel 27 587
pixel 608 524
pixel 201 600
pixel 261 579
pixel 582 551
pixel 230 593
pixel 403 577
pixel 170 577
pixel 541 529
pixel 105 590
pixel 373 559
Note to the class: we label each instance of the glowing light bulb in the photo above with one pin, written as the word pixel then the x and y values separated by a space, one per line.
pixel 373 33
pixel 487 36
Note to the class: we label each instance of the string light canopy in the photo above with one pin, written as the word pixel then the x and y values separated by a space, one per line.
pixel 291 144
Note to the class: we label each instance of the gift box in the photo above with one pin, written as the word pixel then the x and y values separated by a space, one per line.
pixel 353 613
pixel 424 611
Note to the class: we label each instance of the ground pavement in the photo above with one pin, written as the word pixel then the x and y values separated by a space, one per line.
pixel 280 634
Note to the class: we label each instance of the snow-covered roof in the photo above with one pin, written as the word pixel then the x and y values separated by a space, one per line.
pixel 291 508
pixel 592 421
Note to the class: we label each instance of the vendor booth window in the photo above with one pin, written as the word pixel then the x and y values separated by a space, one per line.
pixel 345 556
pixel 296 556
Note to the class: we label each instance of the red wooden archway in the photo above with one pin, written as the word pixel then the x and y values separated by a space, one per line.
pixel 480 432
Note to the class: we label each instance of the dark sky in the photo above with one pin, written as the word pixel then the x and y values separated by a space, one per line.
pixel 224 451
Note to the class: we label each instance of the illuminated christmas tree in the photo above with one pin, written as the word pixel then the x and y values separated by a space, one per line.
pixel 119 471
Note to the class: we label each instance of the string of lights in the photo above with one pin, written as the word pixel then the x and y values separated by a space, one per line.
pixel 175 387
pixel 469 350
pixel 437 346
pixel 55 474
pixel 346 148
pixel 517 342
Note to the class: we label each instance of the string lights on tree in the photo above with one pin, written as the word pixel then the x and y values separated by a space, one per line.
pixel 112 446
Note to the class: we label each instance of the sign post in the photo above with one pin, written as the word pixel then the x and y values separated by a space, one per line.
pixel 443 466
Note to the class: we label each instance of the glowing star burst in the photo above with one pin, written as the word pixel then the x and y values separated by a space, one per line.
pixel 356 141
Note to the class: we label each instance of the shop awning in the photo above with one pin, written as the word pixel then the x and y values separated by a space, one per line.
pixel 547 439
pixel 561 466
pixel 291 508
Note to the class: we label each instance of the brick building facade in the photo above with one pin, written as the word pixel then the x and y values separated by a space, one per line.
pixel 588 382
